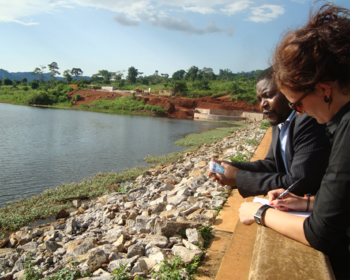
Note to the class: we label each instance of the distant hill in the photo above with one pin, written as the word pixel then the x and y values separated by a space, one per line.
pixel 20 75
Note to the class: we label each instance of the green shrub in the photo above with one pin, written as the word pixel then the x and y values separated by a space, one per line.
pixel 62 98
pixel 41 98
pixel 34 85
pixel 76 97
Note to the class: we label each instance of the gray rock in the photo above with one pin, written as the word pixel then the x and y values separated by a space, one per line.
pixel 71 226
pixel 96 257
pixel 175 200
pixel 186 254
pixel 169 228
pixel 140 266
pixel 116 264
pixel 194 237
pixel 155 240
pixel 51 246
pixel 29 247
pixel 158 200
pixel 8 276
pixel 136 250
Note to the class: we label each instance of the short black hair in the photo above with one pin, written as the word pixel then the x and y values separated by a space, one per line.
pixel 265 74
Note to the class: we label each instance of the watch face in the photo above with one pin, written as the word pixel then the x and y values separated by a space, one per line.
pixel 257 220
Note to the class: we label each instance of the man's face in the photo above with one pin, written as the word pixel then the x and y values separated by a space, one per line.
pixel 273 103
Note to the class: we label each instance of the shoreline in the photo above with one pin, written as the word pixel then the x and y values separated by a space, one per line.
pixel 208 196
pixel 55 194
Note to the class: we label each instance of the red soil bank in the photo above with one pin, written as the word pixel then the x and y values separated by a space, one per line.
pixel 177 107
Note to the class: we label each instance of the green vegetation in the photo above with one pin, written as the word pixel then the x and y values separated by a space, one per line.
pixel 175 269
pixel 124 104
pixel 208 137
pixel 239 158
pixel 207 233
pixel 265 125
pixel 192 83
pixel 252 142
pixel 51 201
pixel 64 274
pixel 121 272
pixel 166 159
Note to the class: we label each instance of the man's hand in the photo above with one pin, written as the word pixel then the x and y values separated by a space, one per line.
pixel 227 178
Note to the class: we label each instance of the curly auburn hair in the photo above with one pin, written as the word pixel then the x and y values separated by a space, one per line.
pixel 317 52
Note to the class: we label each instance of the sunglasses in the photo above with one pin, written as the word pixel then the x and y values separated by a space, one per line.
pixel 297 106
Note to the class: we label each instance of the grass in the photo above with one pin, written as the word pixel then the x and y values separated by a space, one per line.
pixel 239 158
pixel 166 159
pixel 265 125
pixel 208 137
pixel 50 202
pixel 252 142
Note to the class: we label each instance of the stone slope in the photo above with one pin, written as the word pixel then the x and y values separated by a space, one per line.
pixel 155 219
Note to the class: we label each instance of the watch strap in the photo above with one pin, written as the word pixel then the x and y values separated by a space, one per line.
pixel 259 214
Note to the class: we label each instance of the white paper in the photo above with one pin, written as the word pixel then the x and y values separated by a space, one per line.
pixel 266 202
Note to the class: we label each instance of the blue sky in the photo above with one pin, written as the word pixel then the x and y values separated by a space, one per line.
pixel 164 35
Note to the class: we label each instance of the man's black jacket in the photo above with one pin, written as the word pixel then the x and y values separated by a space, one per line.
pixel 307 153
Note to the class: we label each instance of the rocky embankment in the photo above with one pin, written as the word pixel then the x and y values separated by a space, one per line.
pixel 158 216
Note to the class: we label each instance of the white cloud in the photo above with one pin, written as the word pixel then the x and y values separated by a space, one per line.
pixel 201 10
pixel 167 14
pixel 266 13
pixel 123 20
pixel 236 7
pixel 21 11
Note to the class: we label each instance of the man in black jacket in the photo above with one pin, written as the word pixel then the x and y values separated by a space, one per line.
pixel 299 149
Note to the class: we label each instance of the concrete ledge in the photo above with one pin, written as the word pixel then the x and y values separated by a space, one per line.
pixel 278 257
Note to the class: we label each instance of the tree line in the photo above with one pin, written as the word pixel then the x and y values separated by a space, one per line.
pixel 193 82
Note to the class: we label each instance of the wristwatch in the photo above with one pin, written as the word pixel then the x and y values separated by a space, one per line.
pixel 259 214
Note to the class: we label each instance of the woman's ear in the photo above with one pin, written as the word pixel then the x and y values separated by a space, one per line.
pixel 325 89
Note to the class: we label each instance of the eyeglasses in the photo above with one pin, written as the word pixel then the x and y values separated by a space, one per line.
pixel 296 105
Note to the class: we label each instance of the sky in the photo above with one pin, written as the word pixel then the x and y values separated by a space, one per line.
pixel 163 35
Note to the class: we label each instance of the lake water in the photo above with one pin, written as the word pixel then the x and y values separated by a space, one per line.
pixel 42 148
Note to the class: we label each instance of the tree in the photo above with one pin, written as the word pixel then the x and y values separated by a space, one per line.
pixel 53 67
pixel 192 73
pixel 225 74
pixel 106 75
pixel 178 75
pixel 132 74
pixel 67 76
pixel 15 83
pixel 39 71
pixel 6 82
pixel 34 84
pixel 76 72
pixel 179 86
pixel 208 73
pixel 24 80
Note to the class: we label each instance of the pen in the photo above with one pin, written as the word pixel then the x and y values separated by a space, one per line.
pixel 289 189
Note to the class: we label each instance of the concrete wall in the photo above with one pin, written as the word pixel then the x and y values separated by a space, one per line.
pixel 107 88
pixel 165 93
pixel 210 114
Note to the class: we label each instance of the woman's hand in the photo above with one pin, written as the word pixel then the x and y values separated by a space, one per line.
pixel 288 202
pixel 227 178
pixel 247 212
